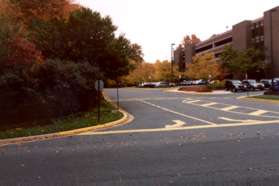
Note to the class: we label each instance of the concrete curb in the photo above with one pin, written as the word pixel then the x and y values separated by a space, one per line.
pixel 248 96
pixel 126 119
pixel 199 93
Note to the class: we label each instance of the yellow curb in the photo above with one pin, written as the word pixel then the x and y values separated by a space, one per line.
pixel 126 119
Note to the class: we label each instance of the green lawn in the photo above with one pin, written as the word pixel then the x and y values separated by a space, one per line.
pixel 80 120
pixel 268 97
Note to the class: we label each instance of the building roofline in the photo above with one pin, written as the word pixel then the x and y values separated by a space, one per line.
pixel 214 37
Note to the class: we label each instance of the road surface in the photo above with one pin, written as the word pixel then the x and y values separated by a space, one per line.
pixel 175 139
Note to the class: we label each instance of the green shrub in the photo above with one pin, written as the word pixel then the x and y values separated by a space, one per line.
pixel 44 91
pixel 216 85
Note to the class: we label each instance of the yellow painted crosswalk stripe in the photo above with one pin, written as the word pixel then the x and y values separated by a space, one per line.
pixel 258 112
pixel 229 108
pixel 194 101
pixel 209 104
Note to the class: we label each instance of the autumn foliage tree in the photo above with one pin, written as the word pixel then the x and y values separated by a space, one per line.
pixel 190 40
pixel 52 52
pixel 28 12
pixel 148 72
pixel 144 72
pixel 205 67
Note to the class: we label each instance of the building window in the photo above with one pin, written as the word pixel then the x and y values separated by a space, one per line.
pixel 208 47
pixel 223 42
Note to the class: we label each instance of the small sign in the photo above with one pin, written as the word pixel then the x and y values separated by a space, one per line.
pixel 99 85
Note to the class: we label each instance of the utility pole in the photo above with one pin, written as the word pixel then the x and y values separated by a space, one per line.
pixel 172 62
pixel 117 93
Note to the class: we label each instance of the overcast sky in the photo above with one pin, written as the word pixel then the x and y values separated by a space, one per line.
pixel 155 24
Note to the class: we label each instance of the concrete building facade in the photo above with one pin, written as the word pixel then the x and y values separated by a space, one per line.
pixel 262 33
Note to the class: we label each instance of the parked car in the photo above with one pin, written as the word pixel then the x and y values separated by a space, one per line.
pixel 147 85
pixel 200 82
pixel 234 85
pixel 267 83
pixel 275 85
pixel 252 84
pixel 172 84
pixel 162 84
pixel 185 83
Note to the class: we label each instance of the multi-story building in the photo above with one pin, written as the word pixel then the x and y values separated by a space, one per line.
pixel 262 33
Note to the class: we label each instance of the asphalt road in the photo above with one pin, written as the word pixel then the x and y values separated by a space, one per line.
pixel 175 139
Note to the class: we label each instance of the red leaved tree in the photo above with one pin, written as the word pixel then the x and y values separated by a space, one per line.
pixel 22 51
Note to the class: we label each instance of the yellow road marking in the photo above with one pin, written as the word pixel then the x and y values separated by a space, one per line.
pixel 229 108
pixel 194 101
pixel 182 128
pixel 209 104
pixel 177 124
pixel 237 120
pixel 258 112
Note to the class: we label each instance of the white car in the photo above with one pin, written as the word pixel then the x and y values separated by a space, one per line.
pixel 162 84
pixel 253 84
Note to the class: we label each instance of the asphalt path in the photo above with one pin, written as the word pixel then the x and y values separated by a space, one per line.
pixel 175 139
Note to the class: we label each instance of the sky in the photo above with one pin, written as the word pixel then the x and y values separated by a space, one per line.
pixel 156 24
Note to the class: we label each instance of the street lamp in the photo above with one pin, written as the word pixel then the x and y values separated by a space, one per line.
pixel 172 60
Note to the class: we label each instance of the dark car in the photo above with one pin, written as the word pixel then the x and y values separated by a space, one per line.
pixel 275 85
pixel 234 85
pixel 267 83
pixel 252 84
pixel 186 83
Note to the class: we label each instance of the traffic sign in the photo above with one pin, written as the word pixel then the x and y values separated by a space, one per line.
pixel 99 85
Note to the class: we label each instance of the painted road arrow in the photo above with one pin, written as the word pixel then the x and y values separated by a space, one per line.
pixel 177 124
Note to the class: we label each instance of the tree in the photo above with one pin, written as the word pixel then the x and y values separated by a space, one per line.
pixel 88 37
pixel 28 12
pixel 158 71
pixel 15 48
pixel 190 40
pixel 241 63
pixel 163 70
pixel 144 72
pixel 204 67
pixel 52 52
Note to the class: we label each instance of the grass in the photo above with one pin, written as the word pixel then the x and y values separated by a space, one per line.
pixel 267 97
pixel 80 120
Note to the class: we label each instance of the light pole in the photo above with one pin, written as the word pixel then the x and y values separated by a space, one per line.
pixel 172 60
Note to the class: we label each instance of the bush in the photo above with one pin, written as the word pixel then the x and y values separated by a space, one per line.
pixel 217 85
pixel 45 91
pixel 196 88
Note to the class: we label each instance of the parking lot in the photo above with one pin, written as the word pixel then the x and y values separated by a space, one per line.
pixel 175 139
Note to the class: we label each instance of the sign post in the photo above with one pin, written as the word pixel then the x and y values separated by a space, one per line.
pixel 117 94
pixel 99 86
